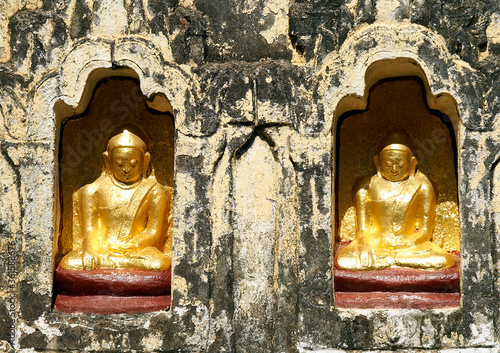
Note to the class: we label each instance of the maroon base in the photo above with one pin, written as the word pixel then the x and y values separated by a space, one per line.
pixel 399 280
pixel 396 300
pixel 116 282
pixel 106 291
pixel 398 288
pixel 105 304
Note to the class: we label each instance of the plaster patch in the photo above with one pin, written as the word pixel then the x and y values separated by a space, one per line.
pixel 278 10
pixel 180 285
pixel 351 5
pixel 220 323
pixel 200 321
pixel 482 331
pixel 109 19
pixel 25 328
pixel 46 32
pixel 187 3
pixel 273 113
pixel 46 329
pixel 493 30
pixel 480 172
pixel 188 183
pixel 255 197
pixel 247 6
pixel 152 342
pixel 428 333
pixel 388 9
pixel 10 210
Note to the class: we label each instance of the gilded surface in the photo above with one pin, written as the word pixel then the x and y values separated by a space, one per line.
pixel 395 214
pixel 117 216
pixel 399 104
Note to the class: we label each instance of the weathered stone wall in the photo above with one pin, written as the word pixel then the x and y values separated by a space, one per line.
pixel 256 89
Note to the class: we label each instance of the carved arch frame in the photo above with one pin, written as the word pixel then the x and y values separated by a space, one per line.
pixel 370 54
pixel 66 92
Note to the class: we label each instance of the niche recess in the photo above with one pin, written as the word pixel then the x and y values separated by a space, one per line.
pixel 112 98
pixel 389 103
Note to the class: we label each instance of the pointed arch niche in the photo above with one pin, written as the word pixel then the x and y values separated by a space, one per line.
pixel 397 96
pixel 111 99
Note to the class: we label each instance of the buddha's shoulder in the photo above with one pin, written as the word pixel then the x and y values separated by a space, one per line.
pixel 421 180
pixel 159 188
pixel 94 187
pixel 363 182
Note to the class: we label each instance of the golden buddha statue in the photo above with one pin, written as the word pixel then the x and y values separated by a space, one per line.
pixel 395 214
pixel 123 218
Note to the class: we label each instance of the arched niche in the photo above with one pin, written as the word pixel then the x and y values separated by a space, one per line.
pixel 397 97
pixel 111 98
pixel 397 102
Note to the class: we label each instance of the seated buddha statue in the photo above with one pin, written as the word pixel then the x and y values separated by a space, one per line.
pixel 122 218
pixel 395 214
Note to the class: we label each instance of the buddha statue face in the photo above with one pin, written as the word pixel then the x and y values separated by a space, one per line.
pixel 126 158
pixel 395 161
pixel 396 165
pixel 127 164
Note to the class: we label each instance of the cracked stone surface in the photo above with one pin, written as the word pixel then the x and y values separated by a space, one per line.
pixel 256 89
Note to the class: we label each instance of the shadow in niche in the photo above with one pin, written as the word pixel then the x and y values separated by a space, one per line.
pixel 397 103
pixel 115 102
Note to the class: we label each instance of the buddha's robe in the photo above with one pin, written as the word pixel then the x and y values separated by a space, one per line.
pixel 394 226
pixel 121 227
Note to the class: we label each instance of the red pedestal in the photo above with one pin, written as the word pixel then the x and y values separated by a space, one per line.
pixel 106 304
pixel 107 291
pixel 396 300
pixel 397 288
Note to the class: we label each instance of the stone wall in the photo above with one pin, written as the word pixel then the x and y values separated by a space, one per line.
pixel 256 90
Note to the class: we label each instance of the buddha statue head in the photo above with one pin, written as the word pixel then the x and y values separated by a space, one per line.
pixel 396 160
pixel 126 157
